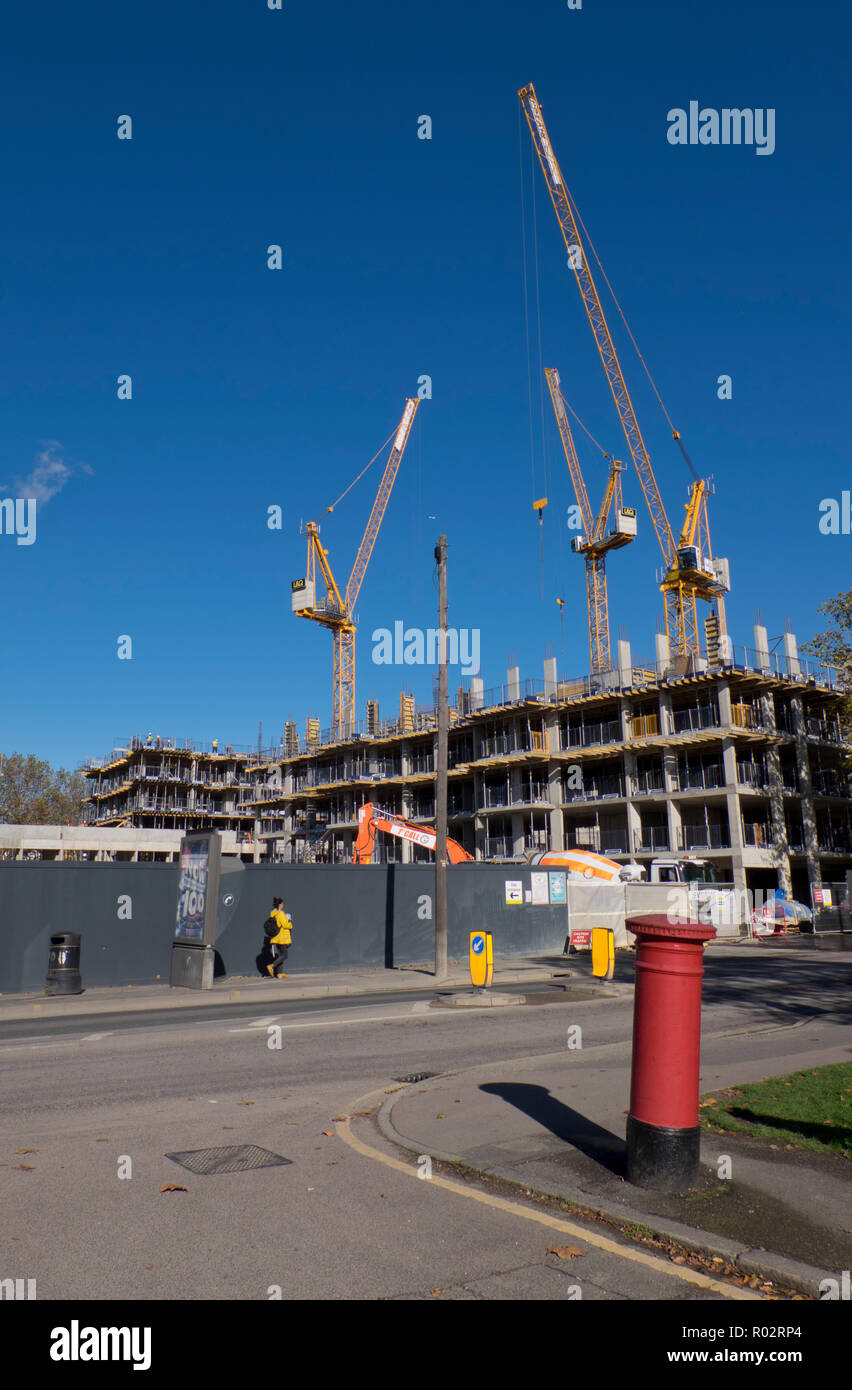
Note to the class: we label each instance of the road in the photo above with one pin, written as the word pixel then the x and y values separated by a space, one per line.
pixel 92 1107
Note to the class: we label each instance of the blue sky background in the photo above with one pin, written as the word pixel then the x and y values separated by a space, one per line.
pixel 402 257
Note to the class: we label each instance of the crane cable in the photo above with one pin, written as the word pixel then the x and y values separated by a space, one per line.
pixel 526 305
pixel 584 428
pixel 363 471
pixel 675 433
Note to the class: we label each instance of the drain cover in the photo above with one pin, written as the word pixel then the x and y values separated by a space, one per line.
pixel 415 1076
pixel 231 1158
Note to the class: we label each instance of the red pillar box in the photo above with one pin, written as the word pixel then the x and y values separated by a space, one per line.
pixel 663 1137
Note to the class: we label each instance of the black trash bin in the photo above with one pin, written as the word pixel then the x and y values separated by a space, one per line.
pixel 63 965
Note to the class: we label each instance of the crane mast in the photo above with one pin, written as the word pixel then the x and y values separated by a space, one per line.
pixel 336 612
pixel 681 583
pixel 596 542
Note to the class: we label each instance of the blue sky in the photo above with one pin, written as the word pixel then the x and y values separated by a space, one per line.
pixel 402 257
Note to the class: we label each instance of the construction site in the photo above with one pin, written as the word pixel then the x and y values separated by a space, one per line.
pixel 726 756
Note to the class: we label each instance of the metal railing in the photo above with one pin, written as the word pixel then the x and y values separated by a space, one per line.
pixel 651 838
pixel 646 783
pixel 592 735
pixel 757 834
pixel 752 775
pixel 692 837
pixel 700 779
pixel 696 718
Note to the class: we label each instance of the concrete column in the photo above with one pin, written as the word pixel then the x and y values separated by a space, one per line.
pixel 513 681
pixel 625 663
pixel 663 655
pixel 732 804
pixel 761 647
pixel 675 822
pixel 780 848
pixel 550 678
pixel 625 711
pixel 808 815
pixel 723 696
pixel 517 833
pixel 634 826
pixel 791 655
pixel 477 692
pixel 554 793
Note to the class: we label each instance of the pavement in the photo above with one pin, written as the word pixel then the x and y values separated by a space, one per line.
pixel 553 1125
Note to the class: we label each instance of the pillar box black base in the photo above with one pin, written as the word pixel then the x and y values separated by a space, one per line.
pixel 664 1159
pixel 63 965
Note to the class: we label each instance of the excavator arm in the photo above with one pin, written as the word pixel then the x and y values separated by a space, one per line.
pixel 371 819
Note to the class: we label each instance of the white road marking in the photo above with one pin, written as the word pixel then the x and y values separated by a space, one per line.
pixel 329 1021
pixel 95 1037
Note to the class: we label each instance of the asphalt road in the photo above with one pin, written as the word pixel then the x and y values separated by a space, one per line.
pixel 91 1109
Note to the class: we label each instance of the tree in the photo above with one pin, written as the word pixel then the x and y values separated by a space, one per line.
pixel 834 648
pixel 32 793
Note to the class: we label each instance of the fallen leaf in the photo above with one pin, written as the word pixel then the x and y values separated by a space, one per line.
pixel 678 1259
pixel 101 1141
pixel 339 1119
pixel 26 1151
pixel 245 1102
pixel 329 1133
pixel 436 1293
pixel 704 1103
pixel 458 1101
pixel 24 1167
pixel 147 1266
pixel 171 1187
pixel 565 1252
pixel 440 1115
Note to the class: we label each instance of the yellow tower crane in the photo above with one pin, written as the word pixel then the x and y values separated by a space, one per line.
pixel 597 540
pixel 335 611
pixel 689 572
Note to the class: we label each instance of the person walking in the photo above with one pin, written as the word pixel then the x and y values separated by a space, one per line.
pixel 277 943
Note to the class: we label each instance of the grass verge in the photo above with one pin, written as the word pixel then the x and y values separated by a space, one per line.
pixel 806 1110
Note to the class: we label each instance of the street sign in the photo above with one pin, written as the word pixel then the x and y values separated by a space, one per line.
pixel 481 959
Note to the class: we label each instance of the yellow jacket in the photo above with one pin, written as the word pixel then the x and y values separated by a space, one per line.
pixel 283 936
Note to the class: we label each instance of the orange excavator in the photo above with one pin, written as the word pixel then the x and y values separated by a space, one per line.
pixel 371 819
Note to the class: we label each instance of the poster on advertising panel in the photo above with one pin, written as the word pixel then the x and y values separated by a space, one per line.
pixel 557 889
pixel 192 891
pixel 539 888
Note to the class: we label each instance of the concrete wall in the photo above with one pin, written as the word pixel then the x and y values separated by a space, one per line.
pixel 343 916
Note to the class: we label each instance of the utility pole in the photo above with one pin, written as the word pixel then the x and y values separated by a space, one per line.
pixel 441 771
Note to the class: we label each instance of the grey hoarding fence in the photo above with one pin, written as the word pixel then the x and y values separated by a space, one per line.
pixel 343 917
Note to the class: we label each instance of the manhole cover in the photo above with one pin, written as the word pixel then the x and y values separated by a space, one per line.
pixel 230 1158
pixel 415 1076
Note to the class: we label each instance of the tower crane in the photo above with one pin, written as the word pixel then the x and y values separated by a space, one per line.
pixel 689 570
pixel 335 611
pixel 596 541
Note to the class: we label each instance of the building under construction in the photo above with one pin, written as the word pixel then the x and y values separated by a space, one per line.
pixel 741 763
pixel 732 754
